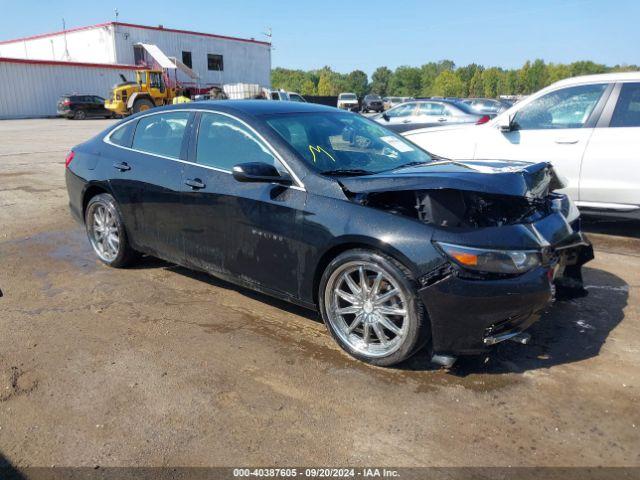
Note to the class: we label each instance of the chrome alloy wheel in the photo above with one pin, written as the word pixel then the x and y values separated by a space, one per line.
pixel 367 308
pixel 103 232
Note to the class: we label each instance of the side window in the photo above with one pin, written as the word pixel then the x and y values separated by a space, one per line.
pixel 627 112
pixel 565 108
pixel 161 134
pixel 122 136
pixel 224 142
pixel 275 96
pixel 401 111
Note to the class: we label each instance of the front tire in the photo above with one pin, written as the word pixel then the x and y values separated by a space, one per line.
pixel 369 304
pixel 106 232
pixel 142 105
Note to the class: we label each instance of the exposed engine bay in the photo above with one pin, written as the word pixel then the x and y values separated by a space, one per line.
pixel 460 208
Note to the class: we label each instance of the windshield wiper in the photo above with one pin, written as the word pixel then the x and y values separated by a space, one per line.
pixel 410 164
pixel 347 172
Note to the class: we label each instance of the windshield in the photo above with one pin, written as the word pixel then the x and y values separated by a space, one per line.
pixel 372 97
pixel 347 96
pixel 338 143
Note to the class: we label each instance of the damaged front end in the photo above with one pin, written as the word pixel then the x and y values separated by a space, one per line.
pixel 508 242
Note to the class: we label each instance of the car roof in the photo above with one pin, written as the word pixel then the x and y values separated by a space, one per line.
pixel 603 77
pixel 257 107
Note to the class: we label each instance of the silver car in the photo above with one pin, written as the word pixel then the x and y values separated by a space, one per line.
pixel 428 113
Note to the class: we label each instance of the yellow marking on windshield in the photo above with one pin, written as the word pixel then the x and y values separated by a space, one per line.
pixel 319 149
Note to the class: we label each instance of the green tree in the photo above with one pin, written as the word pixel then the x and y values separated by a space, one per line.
pixel 476 86
pixel 448 84
pixel 380 81
pixel 490 82
pixel 406 82
pixel 357 82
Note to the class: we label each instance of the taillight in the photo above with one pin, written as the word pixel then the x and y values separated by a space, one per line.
pixel 483 119
pixel 67 102
pixel 69 159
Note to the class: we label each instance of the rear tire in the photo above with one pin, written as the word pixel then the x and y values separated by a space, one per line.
pixel 380 321
pixel 79 115
pixel 142 104
pixel 106 232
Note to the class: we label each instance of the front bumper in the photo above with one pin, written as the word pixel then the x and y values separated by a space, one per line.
pixel 469 314
pixel 349 106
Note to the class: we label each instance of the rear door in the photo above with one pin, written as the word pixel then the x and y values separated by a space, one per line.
pixel 431 114
pixel 146 180
pixel 245 230
pixel 554 128
pixel 610 177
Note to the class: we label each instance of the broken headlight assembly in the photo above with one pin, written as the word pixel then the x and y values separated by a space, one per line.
pixel 492 261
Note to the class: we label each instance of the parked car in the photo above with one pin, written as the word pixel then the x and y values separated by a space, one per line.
pixel 278 95
pixel 390 102
pixel 486 106
pixel 79 107
pixel 330 210
pixel 348 101
pixel 296 97
pixel 428 113
pixel 588 127
pixel 372 102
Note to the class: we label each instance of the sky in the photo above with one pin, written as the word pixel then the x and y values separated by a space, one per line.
pixel 365 34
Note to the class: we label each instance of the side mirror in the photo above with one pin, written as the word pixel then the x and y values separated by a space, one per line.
pixel 505 123
pixel 260 172
pixel 385 116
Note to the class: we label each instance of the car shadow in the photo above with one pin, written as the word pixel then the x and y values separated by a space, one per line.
pixel 567 332
pixel 152 262
pixel 610 226
pixel 8 471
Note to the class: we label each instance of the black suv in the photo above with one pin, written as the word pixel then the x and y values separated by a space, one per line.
pixel 372 102
pixel 80 107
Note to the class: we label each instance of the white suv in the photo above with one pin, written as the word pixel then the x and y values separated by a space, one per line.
pixel 588 127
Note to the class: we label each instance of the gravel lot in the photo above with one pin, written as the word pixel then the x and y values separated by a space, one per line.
pixel 161 366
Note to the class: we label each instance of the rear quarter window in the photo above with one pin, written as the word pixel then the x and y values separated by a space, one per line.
pixel 123 135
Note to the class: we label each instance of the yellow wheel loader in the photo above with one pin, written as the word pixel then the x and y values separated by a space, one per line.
pixel 148 91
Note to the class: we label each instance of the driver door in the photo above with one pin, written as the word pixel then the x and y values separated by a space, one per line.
pixel 555 128
pixel 245 230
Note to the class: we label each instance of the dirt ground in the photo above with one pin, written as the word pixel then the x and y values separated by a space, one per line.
pixel 160 366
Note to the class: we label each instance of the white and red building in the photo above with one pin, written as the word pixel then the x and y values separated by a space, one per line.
pixel 35 71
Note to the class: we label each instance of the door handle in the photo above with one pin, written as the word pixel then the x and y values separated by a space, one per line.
pixel 442 119
pixel 122 166
pixel 566 141
pixel 195 183
pixel 406 121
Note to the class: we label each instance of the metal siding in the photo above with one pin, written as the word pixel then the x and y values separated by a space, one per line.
pixel 90 45
pixel 32 90
pixel 243 61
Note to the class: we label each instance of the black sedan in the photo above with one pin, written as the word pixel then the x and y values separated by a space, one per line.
pixel 330 210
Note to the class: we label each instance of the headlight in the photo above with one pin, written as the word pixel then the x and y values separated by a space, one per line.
pixel 494 261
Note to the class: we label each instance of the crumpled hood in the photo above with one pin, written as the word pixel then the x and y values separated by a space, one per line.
pixel 522 179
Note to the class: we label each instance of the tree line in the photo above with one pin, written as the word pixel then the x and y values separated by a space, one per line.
pixel 441 78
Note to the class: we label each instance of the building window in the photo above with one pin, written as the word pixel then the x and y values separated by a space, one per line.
pixel 186 59
pixel 214 62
